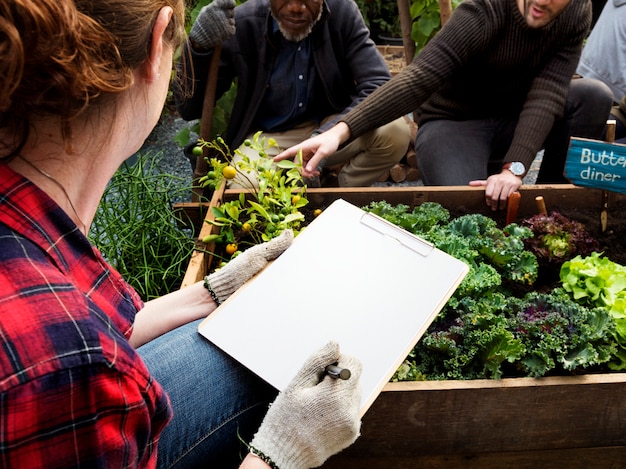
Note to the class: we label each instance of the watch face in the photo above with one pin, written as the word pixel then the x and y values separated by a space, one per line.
pixel 517 168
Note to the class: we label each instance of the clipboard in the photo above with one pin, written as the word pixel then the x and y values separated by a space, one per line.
pixel 350 276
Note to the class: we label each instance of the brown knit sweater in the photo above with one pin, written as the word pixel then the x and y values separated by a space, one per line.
pixel 487 62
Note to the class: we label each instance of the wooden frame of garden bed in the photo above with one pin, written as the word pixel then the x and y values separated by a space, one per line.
pixel 556 422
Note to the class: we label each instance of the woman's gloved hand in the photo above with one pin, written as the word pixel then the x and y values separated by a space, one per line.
pixel 225 281
pixel 215 23
pixel 315 417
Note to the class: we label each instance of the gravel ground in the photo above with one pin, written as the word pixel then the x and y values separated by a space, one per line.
pixel 161 140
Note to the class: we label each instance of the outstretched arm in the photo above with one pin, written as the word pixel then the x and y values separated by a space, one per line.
pixel 318 148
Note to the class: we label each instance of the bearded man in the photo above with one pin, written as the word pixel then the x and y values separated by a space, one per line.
pixel 299 66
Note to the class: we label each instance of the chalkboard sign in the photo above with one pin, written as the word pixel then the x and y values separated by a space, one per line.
pixel 596 164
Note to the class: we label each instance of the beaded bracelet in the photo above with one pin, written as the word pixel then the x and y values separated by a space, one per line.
pixel 262 457
pixel 211 292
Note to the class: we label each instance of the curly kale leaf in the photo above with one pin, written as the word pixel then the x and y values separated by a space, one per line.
pixel 558 333
pixel 494 335
pixel 418 221
pixel 475 344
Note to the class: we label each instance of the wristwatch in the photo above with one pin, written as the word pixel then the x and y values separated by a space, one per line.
pixel 517 168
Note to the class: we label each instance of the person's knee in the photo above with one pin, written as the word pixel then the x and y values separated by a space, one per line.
pixel 394 137
pixel 591 95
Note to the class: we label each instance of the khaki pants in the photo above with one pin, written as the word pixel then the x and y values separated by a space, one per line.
pixel 365 159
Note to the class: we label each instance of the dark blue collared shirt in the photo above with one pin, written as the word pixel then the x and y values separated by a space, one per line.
pixel 291 95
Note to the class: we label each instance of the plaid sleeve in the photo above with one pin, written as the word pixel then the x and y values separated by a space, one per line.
pixel 90 416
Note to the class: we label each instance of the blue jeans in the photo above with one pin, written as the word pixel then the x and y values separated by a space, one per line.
pixel 452 153
pixel 216 401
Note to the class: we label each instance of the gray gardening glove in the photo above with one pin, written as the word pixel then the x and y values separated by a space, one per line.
pixel 215 23
pixel 315 417
pixel 223 282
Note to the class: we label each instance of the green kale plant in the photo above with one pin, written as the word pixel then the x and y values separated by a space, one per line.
pixel 558 333
pixel 493 326
pixel 495 335
pixel 495 256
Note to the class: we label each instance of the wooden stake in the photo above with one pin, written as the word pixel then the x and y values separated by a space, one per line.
pixel 206 121
pixel 541 205
pixel 604 212
pixel 512 207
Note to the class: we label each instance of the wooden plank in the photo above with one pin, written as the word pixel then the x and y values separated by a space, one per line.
pixel 445 10
pixel 202 255
pixel 191 214
pixel 436 418
pixel 611 457
pixel 406 24
pixel 464 199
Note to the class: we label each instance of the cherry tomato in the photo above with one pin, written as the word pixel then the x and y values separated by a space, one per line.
pixel 231 248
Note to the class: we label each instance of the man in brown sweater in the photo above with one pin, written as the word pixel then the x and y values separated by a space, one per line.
pixel 493 88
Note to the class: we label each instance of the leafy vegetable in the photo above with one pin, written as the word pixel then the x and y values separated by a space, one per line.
pixel 486 331
pixel 262 211
pixel 557 238
pixel 559 333
pixel 495 336
pixel 596 281
pixel 493 254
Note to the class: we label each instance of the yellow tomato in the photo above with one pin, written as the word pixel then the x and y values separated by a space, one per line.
pixel 231 249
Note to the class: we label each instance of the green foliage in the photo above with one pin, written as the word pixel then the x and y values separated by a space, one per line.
pixel 273 196
pixel 596 281
pixel 381 17
pixel 137 230
pixel 484 331
pixel 221 116
pixel 557 238
pixel 493 255
pixel 493 336
pixel 420 220
pixel 560 333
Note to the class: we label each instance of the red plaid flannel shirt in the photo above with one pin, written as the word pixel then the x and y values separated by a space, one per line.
pixel 73 391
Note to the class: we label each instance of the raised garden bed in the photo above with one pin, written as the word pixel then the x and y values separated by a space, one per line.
pixel 575 421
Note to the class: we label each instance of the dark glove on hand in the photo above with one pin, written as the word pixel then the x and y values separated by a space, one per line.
pixel 215 24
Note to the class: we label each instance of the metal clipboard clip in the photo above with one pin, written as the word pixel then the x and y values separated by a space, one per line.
pixel 388 229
